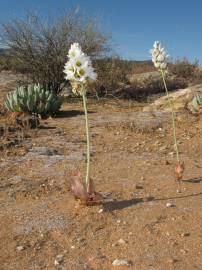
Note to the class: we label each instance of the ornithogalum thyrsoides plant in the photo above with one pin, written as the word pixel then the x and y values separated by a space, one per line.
pixel 80 73
pixel 160 60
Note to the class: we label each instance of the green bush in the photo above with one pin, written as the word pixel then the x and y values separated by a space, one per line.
pixel 33 99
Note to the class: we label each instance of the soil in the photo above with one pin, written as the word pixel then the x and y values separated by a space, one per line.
pixel 146 218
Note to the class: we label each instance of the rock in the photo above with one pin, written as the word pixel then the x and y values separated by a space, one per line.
pixel 153 75
pixel 185 234
pixel 20 248
pixel 149 198
pixel 101 211
pixel 121 242
pixel 43 151
pixel 172 260
pixel 137 186
pixel 119 262
pixel 170 204
pixel 180 99
pixel 59 259
pixel 27 121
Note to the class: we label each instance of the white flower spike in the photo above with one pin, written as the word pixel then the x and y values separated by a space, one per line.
pixel 78 69
pixel 159 56
pixel 160 60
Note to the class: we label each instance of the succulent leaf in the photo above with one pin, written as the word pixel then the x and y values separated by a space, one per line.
pixel 32 99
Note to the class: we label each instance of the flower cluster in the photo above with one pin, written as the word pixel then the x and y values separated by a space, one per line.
pixel 78 69
pixel 159 56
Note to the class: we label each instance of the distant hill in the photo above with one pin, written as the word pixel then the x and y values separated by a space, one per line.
pixel 3 51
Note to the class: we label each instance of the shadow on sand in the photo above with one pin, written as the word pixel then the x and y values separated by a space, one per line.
pixel 119 205
pixel 193 180
pixel 70 113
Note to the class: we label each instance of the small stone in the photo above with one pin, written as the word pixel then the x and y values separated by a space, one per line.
pixel 20 248
pixel 185 234
pixel 149 198
pixel 165 162
pixel 170 204
pixel 163 148
pixel 172 260
pixel 59 259
pixel 118 221
pixel 73 247
pixel 183 251
pixel 138 186
pixel 121 242
pixel 119 262
pixel 101 211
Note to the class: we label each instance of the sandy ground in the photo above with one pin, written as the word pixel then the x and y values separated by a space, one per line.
pixel 146 219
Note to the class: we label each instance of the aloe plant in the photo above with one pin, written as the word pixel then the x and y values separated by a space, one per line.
pixel 32 99
pixel 196 104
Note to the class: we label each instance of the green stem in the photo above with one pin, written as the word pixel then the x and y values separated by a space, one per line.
pixel 173 117
pixel 88 140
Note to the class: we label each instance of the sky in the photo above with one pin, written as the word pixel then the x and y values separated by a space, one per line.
pixel 133 24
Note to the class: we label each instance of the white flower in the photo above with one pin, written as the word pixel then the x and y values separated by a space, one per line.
pixel 75 50
pixel 78 69
pixel 159 56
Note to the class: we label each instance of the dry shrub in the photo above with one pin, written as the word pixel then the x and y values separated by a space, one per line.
pixel 39 49
pixel 141 89
pixel 114 73
pixel 186 70
pixel 111 73
pixel 142 67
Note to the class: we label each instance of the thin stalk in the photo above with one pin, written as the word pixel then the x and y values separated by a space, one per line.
pixel 88 140
pixel 173 117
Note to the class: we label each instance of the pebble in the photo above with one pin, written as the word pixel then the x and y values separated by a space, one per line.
pixel 170 204
pixel 20 248
pixel 59 259
pixel 119 262
pixel 138 186
pixel 121 242
pixel 183 251
pixel 73 247
pixel 101 211
pixel 149 198
pixel 171 260
pixel 185 234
